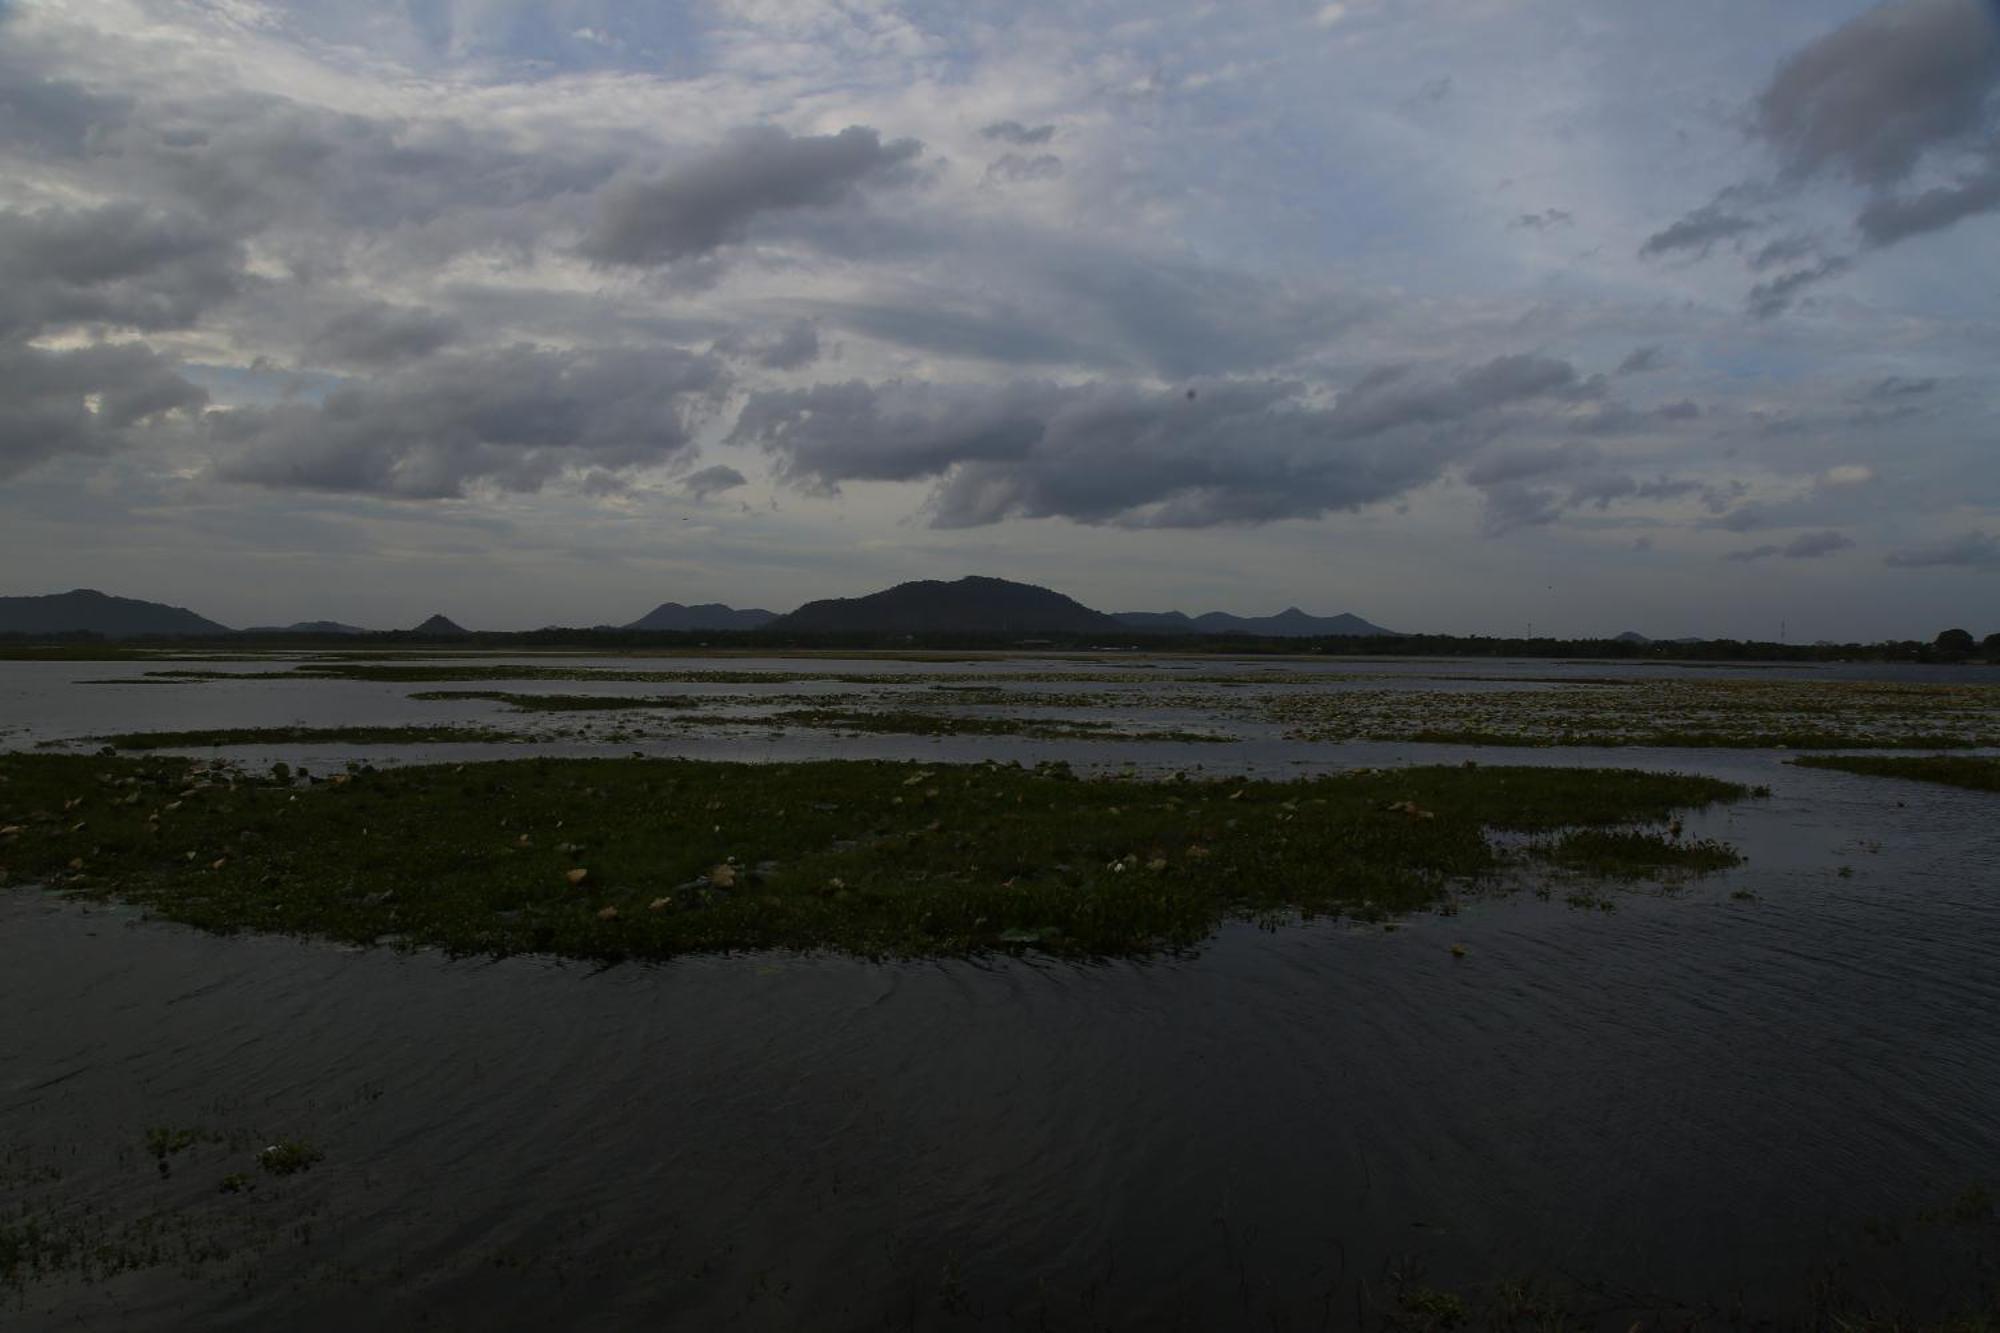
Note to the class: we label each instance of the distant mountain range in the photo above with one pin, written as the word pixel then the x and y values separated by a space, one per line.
pixel 87 611
pixel 973 605
pixel 1291 623
pixel 308 627
pixel 709 615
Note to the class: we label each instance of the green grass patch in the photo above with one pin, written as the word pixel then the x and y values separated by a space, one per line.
pixel 1978 774
pixel 188 740
pixel 652 858
pixel 559 703
pixel 1636 854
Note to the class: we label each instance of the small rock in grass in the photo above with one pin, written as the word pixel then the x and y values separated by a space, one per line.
pixel 577 876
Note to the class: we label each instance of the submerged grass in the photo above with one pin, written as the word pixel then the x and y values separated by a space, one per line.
pixel 1724 714
pixel 558 703
pixel 941 724
pixel 1976 773
pixel 188 740
pixel 652 858
pixel 1637 854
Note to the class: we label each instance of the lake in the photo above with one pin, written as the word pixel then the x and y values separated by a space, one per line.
pixel 1705 1104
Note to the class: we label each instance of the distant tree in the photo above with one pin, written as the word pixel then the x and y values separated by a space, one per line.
pixel 1991 647
pixel 1955 643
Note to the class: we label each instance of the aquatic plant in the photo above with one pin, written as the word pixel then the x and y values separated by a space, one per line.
pixel 867 858
pixel 1977 773
pixel 288 1157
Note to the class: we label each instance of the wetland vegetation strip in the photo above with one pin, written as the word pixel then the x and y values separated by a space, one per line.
pixel 651 858
pixel 1707 714
pixel 936 724
pixel 1978 773
pixel 557 703
pixel 187 740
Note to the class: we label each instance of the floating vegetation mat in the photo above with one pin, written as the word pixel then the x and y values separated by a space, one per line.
pixel 1793 715
pixel 1976 773
pixel 193 740
pixel 651 858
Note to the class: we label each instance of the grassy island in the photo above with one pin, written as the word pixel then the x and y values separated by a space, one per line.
pixel 610 859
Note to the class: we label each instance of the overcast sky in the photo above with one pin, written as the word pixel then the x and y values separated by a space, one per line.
pixel 1458 314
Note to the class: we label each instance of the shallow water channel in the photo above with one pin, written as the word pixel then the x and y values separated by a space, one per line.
pixel 1701 1106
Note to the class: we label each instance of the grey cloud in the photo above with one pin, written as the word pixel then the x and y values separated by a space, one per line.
pixel 792 348
pixel 1614 418
pixel 1783 250
pixel 1601 490
pixel 1872 97
pixel 1642 360
pixel 380 334
pixel 1021 136
pixel 1888 219
pixel 314 184
pixel 1895 386
pixel 1808 546
pixel 1033 301
pixel 46 117
pixel 1699 231
pixel 1535 500
pixel 992 332
pixel 517 419
pixel 713 481
pixel 119 264
pixel 1910 84
pixel 714 199
pixel 1523 464
pixel 1971 550
pixel 54 403
pixel 1769 299
pixel 1545 220
pixel 1014 169
pixel 1182 319
pixel 1813 545
pixel 1749 518
pixel 1236 452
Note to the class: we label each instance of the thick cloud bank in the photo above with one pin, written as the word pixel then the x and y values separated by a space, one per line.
pixel 715 198
pixel 1231 451
pixel 515 419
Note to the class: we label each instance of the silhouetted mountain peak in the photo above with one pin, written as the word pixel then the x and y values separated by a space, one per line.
pixel 88 611
pixel 707 616
pixel 440 625
pixel 1290 623
pixel 976 604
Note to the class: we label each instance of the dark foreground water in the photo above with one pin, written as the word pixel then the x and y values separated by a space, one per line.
pixel 1698 1105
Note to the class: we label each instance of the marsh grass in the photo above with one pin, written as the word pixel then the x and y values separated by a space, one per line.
pixel 188 740
pixel 1623 854
pixel 558 703
pixel 865 858
pixel 1977 773
pixel 1706 714
pixel 288 1157
pixel 949 724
